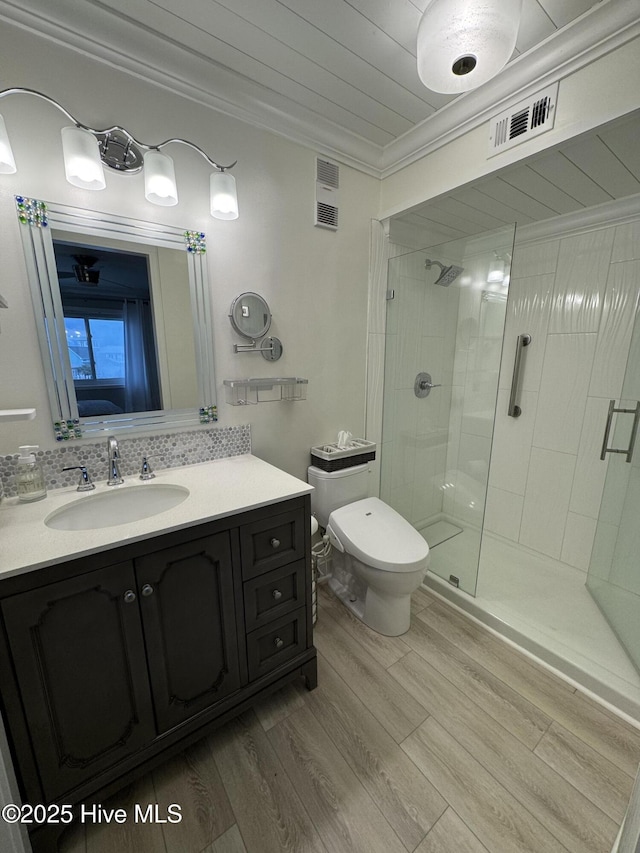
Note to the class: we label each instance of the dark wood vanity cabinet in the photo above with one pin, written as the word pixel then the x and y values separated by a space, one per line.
pixel 189 623
pixel 81 667
pixel 109 662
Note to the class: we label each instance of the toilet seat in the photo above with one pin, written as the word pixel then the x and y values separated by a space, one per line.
pixel 378 536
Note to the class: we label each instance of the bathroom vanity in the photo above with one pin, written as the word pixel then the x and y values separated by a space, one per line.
pixel 121 645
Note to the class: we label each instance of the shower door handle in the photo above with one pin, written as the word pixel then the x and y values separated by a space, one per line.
pixel 634 430
pixel 514 410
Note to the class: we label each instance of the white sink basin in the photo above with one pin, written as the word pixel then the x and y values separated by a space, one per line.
pixel 119 506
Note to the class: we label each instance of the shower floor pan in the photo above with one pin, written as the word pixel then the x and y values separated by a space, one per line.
pixel 544 607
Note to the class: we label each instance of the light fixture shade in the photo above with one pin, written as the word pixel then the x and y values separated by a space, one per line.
pixel 82 163
pixel 160 179
pixel 464 43
pixel 7 161
pixel 224 199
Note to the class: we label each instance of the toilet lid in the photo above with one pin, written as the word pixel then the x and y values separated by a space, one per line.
pixel 379 536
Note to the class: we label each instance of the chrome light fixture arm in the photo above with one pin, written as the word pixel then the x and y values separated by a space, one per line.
pixel 116 128
pixel 119 149
pixel 190 145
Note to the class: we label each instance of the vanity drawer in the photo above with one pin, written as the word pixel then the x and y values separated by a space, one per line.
pixel 272 542
pixel 276 643
pixel 272 595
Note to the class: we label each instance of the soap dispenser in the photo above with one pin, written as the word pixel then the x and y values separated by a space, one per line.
pixel 30 477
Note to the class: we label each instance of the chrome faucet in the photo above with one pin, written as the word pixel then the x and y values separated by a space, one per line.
pixel 114 478
pixel 85 484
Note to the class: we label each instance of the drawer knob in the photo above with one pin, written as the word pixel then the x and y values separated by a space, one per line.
pixel 275 543
pixel 129 596
pixel 276 594
pixel 278 643
pixel 147 590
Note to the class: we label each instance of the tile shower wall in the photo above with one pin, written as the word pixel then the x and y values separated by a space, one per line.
pixel 169 450
pixel 420 337
pixel 478 345
pixel 577 297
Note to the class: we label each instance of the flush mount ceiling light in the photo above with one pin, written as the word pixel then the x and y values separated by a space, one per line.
pixel 464 43
pixel 86 151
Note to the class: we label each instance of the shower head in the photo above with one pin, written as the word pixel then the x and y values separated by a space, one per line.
pixel 447 274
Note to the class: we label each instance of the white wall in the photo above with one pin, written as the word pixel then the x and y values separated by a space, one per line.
pixel 314 280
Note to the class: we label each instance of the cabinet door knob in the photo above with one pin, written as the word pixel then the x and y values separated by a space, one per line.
pixel 278 643
pixel 147 589
pixel 129 596
pixel 276 594
pixel 275 543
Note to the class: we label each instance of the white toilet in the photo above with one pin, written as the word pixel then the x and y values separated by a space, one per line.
pixel 379 559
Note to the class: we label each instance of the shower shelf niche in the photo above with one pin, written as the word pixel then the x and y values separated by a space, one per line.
pixel 249 392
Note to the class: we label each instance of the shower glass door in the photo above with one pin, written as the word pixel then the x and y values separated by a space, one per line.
pixel 444 331
pixel 614 571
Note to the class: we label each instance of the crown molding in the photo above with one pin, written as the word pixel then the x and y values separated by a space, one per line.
pixel 124 45
pixel 616 212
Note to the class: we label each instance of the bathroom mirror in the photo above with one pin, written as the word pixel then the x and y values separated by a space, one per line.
pixel 124 321
pixel 250 315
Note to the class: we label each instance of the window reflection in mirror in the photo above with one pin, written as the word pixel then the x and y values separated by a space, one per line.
pixel 108 319
pixel 113 302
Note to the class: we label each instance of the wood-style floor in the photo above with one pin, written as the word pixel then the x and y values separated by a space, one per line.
pixel 445 740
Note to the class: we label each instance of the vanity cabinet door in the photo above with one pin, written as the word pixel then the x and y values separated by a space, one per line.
pixel 188 615
pixel 78 653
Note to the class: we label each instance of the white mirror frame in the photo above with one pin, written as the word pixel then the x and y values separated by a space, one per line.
pixel 45 291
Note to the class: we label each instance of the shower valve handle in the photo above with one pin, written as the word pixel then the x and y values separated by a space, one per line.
pixel 423 385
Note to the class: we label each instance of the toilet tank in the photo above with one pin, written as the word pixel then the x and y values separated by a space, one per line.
pixel 333 489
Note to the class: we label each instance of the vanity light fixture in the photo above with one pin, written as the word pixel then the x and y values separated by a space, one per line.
pixel 463 43
pixel 86 151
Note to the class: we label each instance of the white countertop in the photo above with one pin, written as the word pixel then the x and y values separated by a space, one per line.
pixel 217 489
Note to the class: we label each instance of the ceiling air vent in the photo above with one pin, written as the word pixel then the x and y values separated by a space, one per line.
pixel 524 121
pixel 327 194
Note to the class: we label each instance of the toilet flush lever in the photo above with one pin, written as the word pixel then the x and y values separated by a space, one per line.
pixel 423 385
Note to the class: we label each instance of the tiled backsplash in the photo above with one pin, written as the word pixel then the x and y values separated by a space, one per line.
pixel 167 450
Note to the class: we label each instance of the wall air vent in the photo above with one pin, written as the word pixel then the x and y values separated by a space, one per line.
pixel 327 194
pixel 524 121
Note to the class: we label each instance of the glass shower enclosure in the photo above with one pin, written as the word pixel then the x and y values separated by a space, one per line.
pixel 446 310
pixel 614 571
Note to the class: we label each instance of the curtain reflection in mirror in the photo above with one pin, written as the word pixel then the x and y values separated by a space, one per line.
pixel 142 393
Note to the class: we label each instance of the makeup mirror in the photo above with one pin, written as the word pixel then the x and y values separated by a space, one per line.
pixel 250 315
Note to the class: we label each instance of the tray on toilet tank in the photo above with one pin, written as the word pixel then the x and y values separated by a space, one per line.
pixel 330 457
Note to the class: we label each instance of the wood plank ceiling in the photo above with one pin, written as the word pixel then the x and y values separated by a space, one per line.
pixel 340 76
pixel 350 62
pixel 590 170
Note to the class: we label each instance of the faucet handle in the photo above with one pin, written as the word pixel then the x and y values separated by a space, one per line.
pixel 146 472
pixel 85 484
